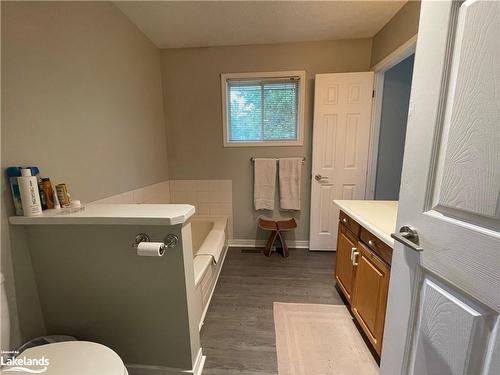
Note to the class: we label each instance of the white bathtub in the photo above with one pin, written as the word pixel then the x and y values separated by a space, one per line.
pixel 208 234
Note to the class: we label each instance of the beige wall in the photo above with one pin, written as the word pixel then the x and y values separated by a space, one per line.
pixel 397 31
pixel 81 99
pixel 192 100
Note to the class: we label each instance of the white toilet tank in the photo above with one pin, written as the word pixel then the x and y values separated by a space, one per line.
pixel 4 316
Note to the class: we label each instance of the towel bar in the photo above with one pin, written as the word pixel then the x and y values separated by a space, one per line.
pixel 252 159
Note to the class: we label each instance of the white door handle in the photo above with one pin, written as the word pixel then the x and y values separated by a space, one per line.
pixel 353 250
pixel 355 258
pixel 408 236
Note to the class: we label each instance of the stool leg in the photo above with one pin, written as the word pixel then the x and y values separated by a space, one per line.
pixel 284 245
pixel 270 242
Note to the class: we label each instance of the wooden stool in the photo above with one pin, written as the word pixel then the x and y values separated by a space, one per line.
pixel 276 227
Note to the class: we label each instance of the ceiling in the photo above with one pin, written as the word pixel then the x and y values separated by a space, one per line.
pixel 178 24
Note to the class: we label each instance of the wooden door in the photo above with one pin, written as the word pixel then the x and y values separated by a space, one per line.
pixel 341 132
pixel 443 315
pixel 344 269
pixel 370 294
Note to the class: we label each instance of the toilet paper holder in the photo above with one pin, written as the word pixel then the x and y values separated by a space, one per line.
pixel 170 241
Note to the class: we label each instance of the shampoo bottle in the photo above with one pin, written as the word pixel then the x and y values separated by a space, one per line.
pixel 30 196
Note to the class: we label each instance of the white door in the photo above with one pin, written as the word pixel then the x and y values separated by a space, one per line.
pixel 341 135
pixel 444 302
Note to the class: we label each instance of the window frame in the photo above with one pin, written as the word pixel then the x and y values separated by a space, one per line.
pixel 301 74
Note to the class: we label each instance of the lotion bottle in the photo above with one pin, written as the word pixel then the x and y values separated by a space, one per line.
pixel 30 196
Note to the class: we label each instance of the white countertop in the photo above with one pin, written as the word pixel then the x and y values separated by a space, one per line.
pixel 113 214
pixel 378 217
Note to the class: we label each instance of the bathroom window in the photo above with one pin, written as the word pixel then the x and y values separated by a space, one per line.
pixel 263 109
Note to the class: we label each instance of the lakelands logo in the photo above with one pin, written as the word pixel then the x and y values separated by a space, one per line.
pixel 24 365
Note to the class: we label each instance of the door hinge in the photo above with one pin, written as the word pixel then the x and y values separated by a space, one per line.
pixel 373 93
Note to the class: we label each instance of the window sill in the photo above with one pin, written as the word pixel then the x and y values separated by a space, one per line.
pixel 264 144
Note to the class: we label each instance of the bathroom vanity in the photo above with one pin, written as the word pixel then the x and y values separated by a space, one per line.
pixel 363 261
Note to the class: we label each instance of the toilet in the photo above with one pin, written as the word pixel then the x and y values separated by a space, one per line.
pixel 61 358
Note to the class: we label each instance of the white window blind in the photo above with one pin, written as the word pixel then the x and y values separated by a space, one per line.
pixel 263 110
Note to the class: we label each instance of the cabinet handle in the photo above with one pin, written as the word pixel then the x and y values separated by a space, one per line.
pixel 344 220
pixel 370 242
pixel 353 249
pixel 355 258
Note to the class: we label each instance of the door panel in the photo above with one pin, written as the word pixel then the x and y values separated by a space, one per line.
pixel 342 113
pixel 465 186
pixel 442 310
pixel 444 302
pixel 326 220
pixel 348 191
pixel 351 140
pixel 330 135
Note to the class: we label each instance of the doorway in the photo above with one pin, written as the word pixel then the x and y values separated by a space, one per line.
pixel 392 133
pixel 392 87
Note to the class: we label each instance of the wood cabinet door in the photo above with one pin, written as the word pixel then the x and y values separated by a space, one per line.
pixel 344 270
pixel 370 294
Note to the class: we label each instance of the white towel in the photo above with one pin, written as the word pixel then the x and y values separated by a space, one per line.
pixel 264 183
pixel 289 176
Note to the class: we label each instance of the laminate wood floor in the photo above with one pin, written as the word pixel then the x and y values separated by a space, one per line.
pixel 238 335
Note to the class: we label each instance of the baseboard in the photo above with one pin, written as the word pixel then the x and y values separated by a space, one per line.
pixel 198 365
pixel 298 244
pixel 136 369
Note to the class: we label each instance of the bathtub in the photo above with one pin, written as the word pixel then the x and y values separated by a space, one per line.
pixel 208 235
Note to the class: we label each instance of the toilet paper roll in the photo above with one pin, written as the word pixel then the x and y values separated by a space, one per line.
pixel 151 249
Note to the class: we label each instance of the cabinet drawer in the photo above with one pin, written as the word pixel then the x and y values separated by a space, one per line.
pixel 351 224
pixel 348 233
pixel 380 248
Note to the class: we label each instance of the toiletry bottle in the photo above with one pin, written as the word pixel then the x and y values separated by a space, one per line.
pixel 30 196
pixel 43 197
pixel 57 206
pixel 12 174
pixel 48 192
pixel 63 195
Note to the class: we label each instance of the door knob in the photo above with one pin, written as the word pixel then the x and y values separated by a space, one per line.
pixel 408 236
pixel 320 178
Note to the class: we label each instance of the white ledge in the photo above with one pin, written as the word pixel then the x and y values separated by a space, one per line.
pixel 378 217
pixel 113 214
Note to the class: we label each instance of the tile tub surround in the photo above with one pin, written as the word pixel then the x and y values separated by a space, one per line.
pixel 211 198
pixel 156 193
